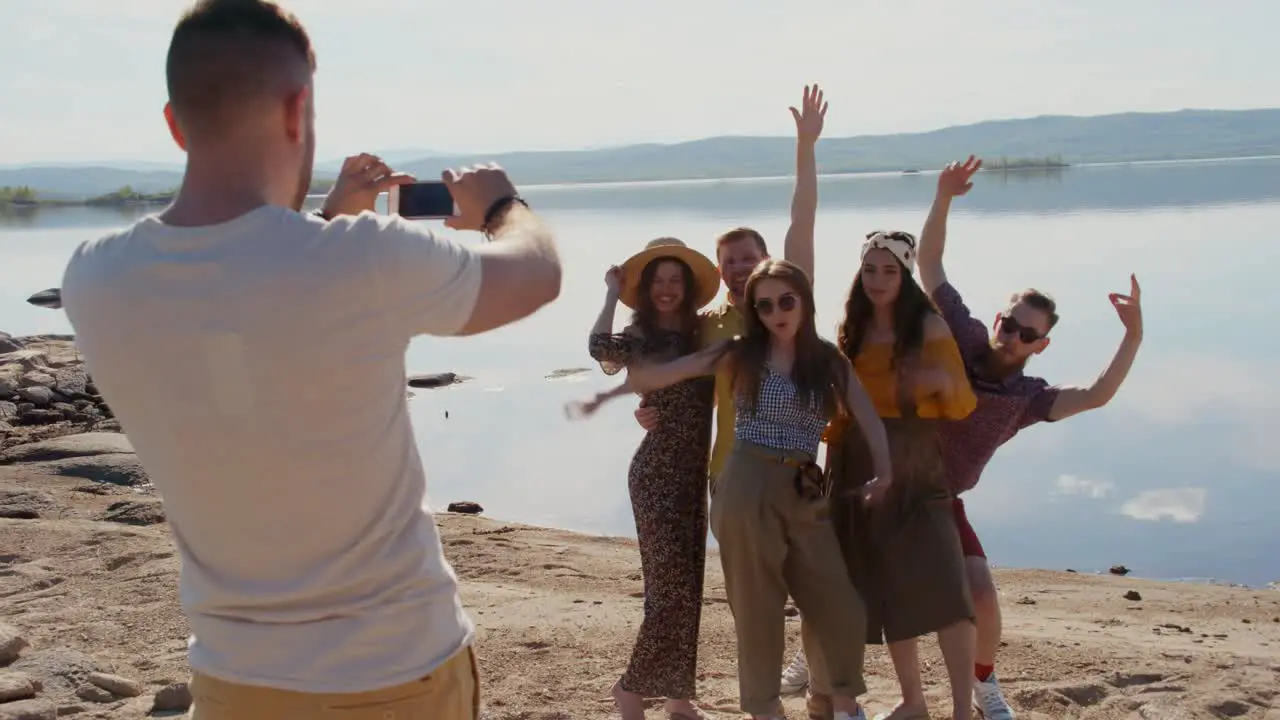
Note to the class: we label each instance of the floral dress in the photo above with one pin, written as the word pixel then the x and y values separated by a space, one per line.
pixel 668 485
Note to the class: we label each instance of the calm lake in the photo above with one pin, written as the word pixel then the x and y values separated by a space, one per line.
pixel 1177 478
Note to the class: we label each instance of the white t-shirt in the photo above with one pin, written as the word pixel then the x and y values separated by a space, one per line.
pixel 258 367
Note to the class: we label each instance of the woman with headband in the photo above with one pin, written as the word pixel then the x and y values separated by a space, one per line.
pixel 903 554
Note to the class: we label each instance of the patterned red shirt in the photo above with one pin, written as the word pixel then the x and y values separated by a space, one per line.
pixel 1004 407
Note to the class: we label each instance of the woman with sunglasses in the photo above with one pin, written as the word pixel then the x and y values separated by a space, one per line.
pixel 665 284
pixel 904 553
pixel 769 504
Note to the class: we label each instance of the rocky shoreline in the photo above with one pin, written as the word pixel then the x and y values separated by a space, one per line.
pixel 45 391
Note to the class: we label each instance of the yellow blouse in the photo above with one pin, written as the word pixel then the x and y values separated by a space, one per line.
pixel 874 369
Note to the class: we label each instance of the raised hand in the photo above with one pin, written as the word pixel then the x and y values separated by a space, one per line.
pixel 614 279
pixel 956 178
pixel 1129 307
pixel 359 182
pixel 475 190
pixel 811 114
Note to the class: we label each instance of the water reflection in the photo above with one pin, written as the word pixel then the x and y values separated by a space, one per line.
pixel 1119 187
pixel 1125 187
pixel 1177 478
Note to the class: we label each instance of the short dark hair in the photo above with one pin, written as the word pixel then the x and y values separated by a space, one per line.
pixel 225 53
pixel 1039 301
pixel 741 233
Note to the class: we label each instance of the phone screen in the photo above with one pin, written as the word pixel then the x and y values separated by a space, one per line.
pixel 424 200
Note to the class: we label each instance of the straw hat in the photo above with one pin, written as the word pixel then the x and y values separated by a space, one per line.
pixel 705 276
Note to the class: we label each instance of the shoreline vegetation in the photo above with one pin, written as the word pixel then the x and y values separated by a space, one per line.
pixel 28 197
pixel 24 197
pixel 1014 164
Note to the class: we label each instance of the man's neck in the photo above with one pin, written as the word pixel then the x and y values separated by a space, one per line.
pixel 212 194
pixel 994 372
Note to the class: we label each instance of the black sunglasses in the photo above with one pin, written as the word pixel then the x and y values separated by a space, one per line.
pixel 899 235
pixel 786 303
pixel 1009 326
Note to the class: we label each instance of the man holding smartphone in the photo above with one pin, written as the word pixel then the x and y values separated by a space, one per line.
pixel 255 357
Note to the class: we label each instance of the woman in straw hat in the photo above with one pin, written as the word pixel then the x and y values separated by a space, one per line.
pixel 665 284
pixel 769 502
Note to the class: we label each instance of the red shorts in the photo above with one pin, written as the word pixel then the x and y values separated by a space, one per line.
pixel 969 541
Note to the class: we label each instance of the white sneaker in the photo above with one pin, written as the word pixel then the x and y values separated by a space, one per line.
pixel 796 677
pixel 991 700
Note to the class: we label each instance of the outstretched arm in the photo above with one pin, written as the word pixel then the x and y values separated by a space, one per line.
pixel 1075 400
pixel 798 247
pixel 647 378
pixel 953 181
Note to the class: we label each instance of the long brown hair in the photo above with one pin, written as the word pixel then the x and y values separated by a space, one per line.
pixel 818 371
pixel 646 315
pixel 909 311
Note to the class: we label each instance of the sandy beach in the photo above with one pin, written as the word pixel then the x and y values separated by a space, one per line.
pixel 90 624
pixel 91 585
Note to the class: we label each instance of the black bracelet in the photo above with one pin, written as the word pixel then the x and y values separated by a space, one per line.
pixel 498 206
pixel 320 213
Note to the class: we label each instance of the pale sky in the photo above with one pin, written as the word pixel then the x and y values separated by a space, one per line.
pixel 83 80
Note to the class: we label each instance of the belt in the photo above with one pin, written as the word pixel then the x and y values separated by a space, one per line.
pixel 810 481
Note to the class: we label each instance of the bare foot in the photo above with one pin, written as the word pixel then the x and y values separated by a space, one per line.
pixel 630 705
pixel 684 710
pixel 906 712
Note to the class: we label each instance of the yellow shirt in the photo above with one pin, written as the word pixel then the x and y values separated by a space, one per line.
pixel 875 371
pixel 722 323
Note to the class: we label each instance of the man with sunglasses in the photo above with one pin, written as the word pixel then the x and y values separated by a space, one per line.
pixel 1008 400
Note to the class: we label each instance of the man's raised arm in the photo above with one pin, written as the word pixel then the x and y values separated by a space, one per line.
pixel 519 271
pixel 798 247
pixel 432 286
pixel 953 181
pixel 1075 400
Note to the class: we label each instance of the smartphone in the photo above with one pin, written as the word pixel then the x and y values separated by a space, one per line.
pixel 421 200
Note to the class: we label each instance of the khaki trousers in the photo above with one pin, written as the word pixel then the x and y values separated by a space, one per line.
pixel 451 692
pixel 774 543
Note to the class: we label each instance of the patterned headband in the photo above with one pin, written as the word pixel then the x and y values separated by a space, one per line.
pixel 901 244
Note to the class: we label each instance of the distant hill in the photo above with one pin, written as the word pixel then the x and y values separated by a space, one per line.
pixel 1126 137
